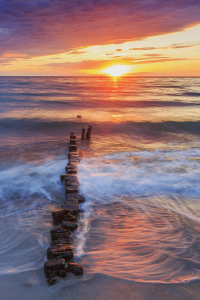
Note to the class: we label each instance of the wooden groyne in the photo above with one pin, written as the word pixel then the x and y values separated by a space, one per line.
pixel 60 254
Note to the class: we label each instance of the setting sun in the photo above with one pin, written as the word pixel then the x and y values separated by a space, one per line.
pixel 117 70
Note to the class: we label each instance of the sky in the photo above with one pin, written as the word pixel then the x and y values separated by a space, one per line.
pixel 87 37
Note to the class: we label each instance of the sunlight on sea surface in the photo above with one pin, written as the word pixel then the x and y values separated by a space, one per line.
pixel 98 99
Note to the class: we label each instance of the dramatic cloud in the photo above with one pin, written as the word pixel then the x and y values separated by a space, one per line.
pixel 39 27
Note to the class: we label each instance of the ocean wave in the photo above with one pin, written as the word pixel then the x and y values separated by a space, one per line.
pixel 33 124
pixel 42 125
pixel 186 94
pixel 119 103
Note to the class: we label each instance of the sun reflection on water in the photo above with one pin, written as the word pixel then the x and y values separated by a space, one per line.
pixel 117 118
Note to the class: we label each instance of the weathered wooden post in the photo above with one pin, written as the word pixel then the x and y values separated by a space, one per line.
pixel 72 141
pixel 72 146
pixel 88 134
pixel 83 133
pixel 72 136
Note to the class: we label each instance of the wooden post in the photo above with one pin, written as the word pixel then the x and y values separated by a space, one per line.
pixel 83 133
pixel 72 148
pixel 88 134
pixel 72 135
pixel 72 141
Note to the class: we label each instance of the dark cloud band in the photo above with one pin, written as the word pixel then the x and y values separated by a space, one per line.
pixel 39 27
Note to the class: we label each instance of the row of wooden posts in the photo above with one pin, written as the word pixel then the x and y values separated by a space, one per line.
pixel 65 219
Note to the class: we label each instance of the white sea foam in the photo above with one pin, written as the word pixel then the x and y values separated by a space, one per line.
pixel 144 173
pixel 28 194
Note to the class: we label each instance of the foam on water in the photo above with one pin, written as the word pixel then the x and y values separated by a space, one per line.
pixel 142 174
pixel 28 194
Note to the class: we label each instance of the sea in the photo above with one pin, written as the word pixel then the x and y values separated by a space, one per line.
pixel 139 173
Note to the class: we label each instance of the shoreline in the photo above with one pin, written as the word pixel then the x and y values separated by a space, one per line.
pixel 32 285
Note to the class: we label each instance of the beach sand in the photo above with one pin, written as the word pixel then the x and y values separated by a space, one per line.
pixel 32 285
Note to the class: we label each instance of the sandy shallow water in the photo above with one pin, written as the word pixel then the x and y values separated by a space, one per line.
pixel 32 286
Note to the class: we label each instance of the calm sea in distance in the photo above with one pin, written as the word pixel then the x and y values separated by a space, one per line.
pixel 140 173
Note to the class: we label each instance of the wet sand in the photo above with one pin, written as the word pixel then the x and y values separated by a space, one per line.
pixel 32 286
